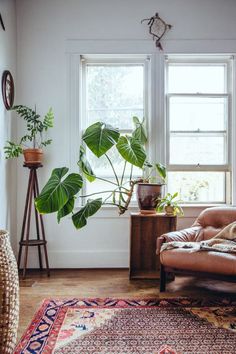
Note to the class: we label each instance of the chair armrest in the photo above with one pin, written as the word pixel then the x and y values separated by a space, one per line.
pixel 186 235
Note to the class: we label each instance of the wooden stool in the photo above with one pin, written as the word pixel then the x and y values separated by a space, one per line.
pixel 32 193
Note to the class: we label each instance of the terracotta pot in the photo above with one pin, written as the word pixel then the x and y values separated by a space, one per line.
pixel 169 210
pixel 33 156
pixel 148 196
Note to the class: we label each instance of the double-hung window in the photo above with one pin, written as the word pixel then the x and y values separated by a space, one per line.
pixel 198 135
pixel 113 92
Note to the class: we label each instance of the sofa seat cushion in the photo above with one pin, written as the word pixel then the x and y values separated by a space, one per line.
pixel 201 261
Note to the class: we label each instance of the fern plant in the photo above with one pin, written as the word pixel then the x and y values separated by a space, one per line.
pixel 35 129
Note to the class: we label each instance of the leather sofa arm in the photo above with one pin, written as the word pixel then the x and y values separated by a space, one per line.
pixel 186 235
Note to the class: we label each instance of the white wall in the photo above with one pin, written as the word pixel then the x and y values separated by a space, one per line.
pixel 44 28
pixel 7 126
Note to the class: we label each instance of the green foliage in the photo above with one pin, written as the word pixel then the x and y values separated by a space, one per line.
pixel 57 192
pixel 85 166
pixel 48 119
pixel 131 150
pixel 35 128
pixel 60 192
pixel 169 200
pixel 66 209
pixel 12 150
pixel 90 208
pixel 161 169
pixel 100 137
pixel 140 132
pixel 46 142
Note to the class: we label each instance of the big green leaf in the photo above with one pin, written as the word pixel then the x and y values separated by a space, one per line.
pixel 85 165
pixel 91 207
pixel 140 132
pixel 131 150
pixel 161 169
pixel 100 137
pixel 57 192
pixel 66 209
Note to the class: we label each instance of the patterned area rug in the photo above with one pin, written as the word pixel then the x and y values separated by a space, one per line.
pixel 160 326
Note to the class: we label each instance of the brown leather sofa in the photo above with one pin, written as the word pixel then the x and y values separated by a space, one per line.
pixel 204 263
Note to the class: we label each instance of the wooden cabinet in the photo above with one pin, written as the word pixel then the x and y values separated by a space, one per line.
pixel 144 263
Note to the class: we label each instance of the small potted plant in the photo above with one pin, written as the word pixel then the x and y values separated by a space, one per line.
pixel 35 129
pixel 170 205
pixel 151 189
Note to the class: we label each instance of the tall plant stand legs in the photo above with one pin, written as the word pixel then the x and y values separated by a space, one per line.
pixel 26 241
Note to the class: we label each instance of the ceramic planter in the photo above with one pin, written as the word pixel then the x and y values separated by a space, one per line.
pixel 148 196
pixel 33 156
pixel 169 210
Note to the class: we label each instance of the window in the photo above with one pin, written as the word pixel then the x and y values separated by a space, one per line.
pixel 197 143
pixel 198 120
pixel 113 93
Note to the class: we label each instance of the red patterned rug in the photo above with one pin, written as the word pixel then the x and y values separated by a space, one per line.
pixel 160 326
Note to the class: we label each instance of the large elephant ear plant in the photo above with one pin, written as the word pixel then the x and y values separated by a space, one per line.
pixel 61 190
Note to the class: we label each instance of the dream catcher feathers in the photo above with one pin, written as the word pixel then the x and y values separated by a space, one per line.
pixel 157 28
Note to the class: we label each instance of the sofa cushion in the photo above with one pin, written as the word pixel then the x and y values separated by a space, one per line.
pixel 202 261
pixel 216 217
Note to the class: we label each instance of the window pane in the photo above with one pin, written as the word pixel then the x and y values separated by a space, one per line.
pixel 198 113
pixel 197 150
pixel 114 94
pixel 102 186
pixel 198 187
pixel 196 78
pixel 102 167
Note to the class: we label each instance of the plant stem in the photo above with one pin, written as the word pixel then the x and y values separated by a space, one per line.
pixel 89 195
pixel 125 207
pixel 121 199
pixel 34 138
pixel 106 180
pixel 122 177
pixel 120 207
pixel 116 177
pixel 131 173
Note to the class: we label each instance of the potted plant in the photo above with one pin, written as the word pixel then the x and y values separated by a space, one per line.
pixel 103 140
pixel 151 189
pixel 35 129
pixel 170 205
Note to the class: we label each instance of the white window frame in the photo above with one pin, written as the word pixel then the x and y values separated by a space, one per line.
pixel 119 60
pixel 75 48
pixel 201 60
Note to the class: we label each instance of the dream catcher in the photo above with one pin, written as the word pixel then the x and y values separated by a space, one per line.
pixel 157 28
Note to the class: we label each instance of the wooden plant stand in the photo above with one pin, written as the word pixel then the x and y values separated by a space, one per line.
pixel 32 193
pixel 144 230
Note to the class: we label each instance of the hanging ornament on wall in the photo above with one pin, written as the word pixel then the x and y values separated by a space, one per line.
pixel 157 28
pixel 2 23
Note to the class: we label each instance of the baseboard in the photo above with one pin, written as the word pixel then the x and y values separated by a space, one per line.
pixel 84 259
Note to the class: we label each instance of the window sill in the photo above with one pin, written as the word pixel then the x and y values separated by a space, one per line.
pixel 204 205
pixel 111 212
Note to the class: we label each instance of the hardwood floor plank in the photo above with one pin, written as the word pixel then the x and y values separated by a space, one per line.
pixel 104 283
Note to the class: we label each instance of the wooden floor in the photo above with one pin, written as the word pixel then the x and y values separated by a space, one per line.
pixel 107 283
